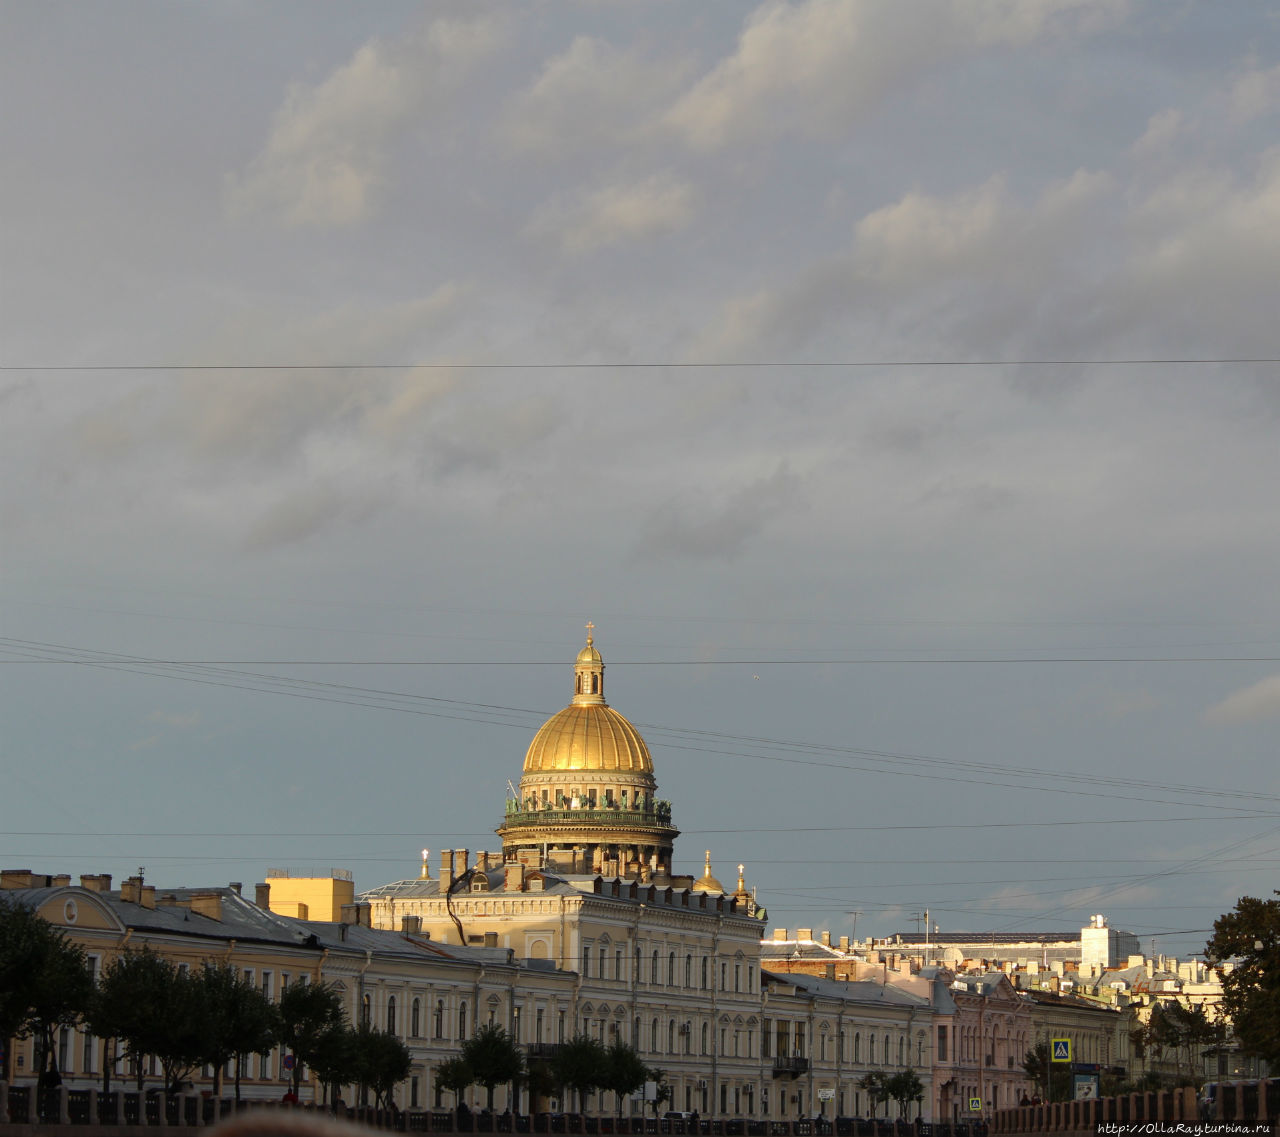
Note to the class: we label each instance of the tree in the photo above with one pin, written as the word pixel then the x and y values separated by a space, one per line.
pixel 661 1088
pixel 1054 1078
pixel 579 1064
pixel 152 1006
pixel 333 1059
pixel 380 1061
pixel 308 1011
pixel 1249 939
pixel 44 983
pixel 873 1085
pixel 493 1058
pixel 454 1076
pixel 238 1020
pixel 904 1087
pixel 623 1072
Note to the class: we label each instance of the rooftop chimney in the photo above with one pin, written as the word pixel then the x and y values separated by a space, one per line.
pixel 826 939
pixel 100 882
pixel 446 870
pixel 411 925
pixel 208 904
pixel 779 935
pixel 262 895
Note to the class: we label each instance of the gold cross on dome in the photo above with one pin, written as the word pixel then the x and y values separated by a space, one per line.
pixel 590 628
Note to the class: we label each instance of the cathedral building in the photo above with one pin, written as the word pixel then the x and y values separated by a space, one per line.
pixel 585 881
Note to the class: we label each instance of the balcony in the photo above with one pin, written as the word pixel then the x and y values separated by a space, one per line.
pixel 543 1049
pixel 603 816
pixel 790 1067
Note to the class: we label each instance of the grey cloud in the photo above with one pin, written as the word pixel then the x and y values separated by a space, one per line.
pixel 306 512
pixel 704 530
pixel 325 159
pixel 1251 704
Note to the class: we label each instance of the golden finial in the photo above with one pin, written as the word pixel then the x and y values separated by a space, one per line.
pixel 742 884
pixel 426 872
pixel 590 629
pixel 708 862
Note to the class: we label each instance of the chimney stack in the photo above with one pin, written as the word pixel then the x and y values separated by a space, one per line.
pixel 262 895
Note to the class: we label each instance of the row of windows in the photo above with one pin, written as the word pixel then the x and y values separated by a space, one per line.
pixel 784 1040
pixel 742 975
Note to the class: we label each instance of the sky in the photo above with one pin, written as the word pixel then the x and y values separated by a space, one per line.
pixel 894 386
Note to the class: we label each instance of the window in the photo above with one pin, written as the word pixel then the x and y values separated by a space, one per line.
pixel 537 1026
pixel 462 1021
pixel 636 969
pixel 653 969
pixel 857 1045
pixel 704 1039
pixel 671 1035
pixel 704 972
pixel 391 1015
pixel 586 963
pixel 366 1010
pixel 724 977
pixel 617 965
pixel 902 1043
pixel 766 1049
pixel 415 1018
pixel 654 1040
pixel 603 961
pixel 671 970
pixel 688 971
pixel 439 1024
pixel 266 984
pixel 799 1040
pixel 871 1048
pixel 737 976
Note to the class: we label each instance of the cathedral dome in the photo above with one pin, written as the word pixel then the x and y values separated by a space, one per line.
pixel 590 736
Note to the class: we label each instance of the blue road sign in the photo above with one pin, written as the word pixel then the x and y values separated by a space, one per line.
pixel 1061 1049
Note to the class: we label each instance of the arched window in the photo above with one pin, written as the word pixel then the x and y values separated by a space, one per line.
pixel 671 1036
pixel 415 1018
pixel 391 1015
pixel 857 1046
pixel 638 976
pixel 462 1021
pixel 635 1033
pixel 654 1039
pixel 704 972
pixel 902 1042
pixel 704 1036
pixel 871 1049
pixel 688 971
pixel 439 1024
pixel 886 1059
pixel 671 970
pixel 653 970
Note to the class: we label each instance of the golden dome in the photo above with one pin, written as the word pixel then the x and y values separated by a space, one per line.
pixel 591 736
pixel 707 882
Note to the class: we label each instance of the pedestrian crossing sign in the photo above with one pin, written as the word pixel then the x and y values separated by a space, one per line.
pixel 975 1105
pixel 1061 1049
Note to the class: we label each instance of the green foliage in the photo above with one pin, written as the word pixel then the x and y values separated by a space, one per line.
pixel 579 1064
pixel 238 1018
pixel 624 1072
pixel 1053 1079
pixel 493 1058
pixel 44 980
pixel 1249 936
pixel 662 1091
pixel 454 1075
pixel 379 1061
pixel 904 1087
pixel 333 1058
pixel 307 1012
pixel 873 1085
pixel 150 1006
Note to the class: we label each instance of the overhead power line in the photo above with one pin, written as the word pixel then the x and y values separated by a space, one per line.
pixel 648 365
